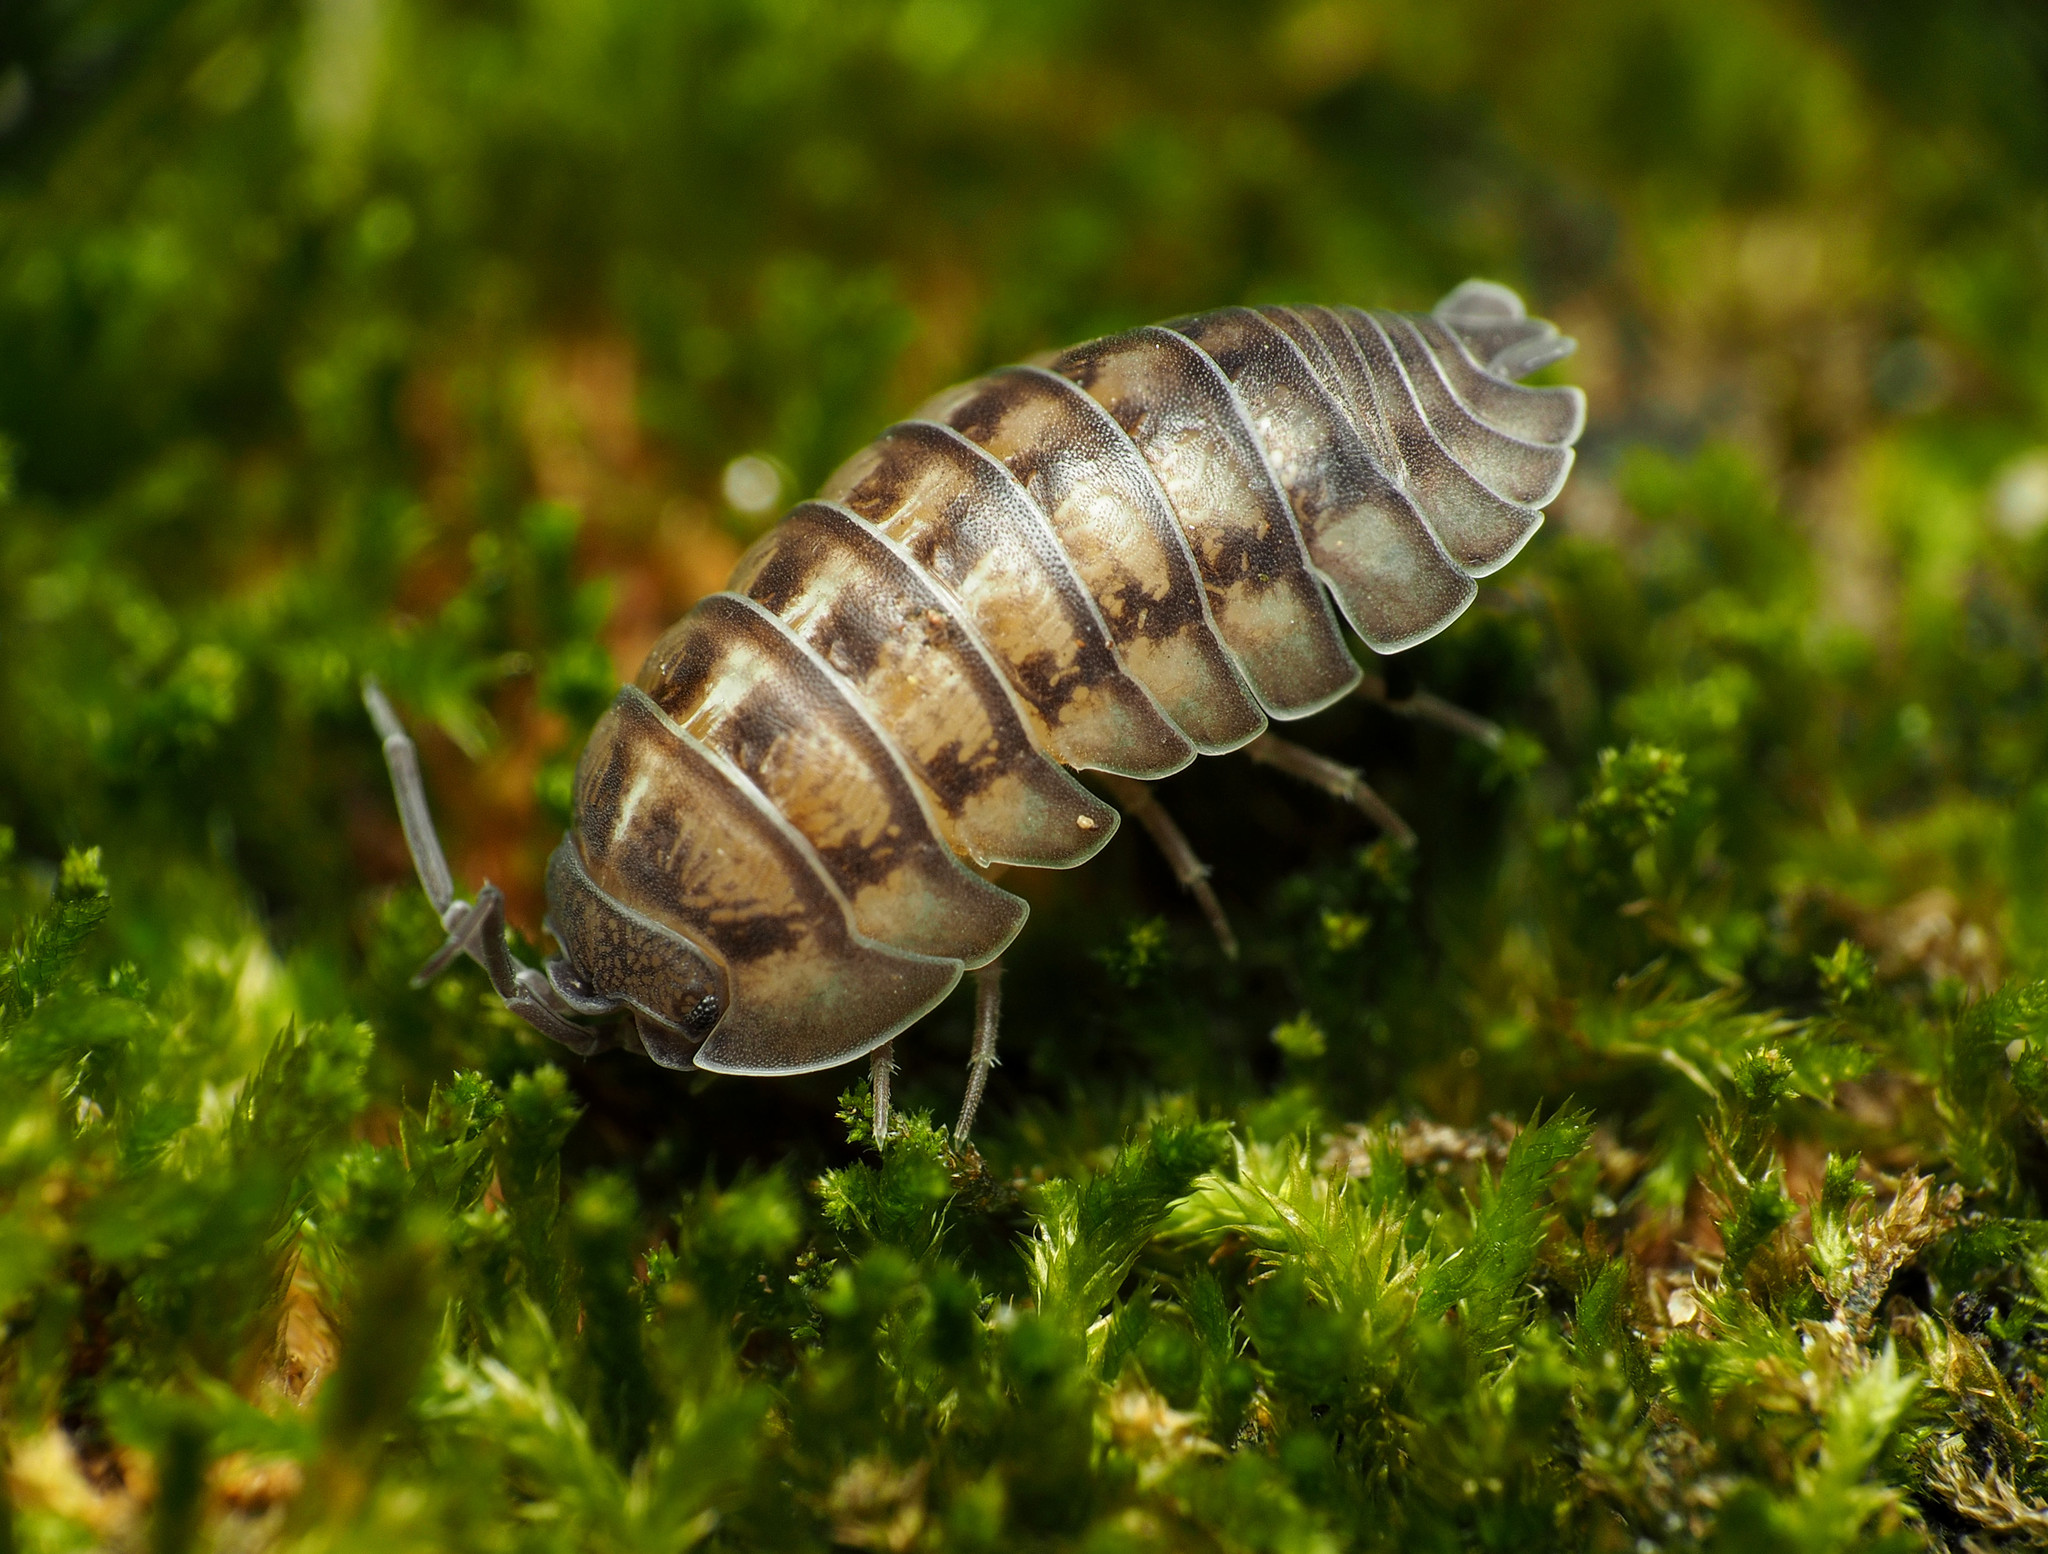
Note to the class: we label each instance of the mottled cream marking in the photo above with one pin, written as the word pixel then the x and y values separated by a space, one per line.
pixel 1120 536
pixel 980 538
pixel 622 830
pixel 976 751
pixel 1182 416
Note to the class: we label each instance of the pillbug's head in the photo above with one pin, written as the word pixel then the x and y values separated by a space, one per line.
pixel 712 913
pixel 677 989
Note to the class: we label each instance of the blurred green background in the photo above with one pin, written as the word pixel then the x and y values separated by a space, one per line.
pixel 422 336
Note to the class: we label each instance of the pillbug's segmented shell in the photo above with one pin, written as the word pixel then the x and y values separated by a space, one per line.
pixel 1115 560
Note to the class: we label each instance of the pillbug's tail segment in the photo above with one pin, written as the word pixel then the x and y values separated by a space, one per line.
pixel 1552 416
pixel 1498 330
pixel 1410 459
pixel 1366 537
pixel 671 832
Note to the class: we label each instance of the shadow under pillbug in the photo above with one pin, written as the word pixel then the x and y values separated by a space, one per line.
pixel 1117 558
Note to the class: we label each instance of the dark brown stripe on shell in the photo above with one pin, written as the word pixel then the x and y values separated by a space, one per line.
pixel 1120 535
pixel 865 609
pixel 668 828
pixel 977 534
pixel 732 675
pixel 1180 413
pixel 1390 575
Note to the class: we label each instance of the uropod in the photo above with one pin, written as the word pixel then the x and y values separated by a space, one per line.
pixel 1113 559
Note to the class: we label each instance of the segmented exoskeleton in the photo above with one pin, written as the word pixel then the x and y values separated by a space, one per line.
pixel 1116 559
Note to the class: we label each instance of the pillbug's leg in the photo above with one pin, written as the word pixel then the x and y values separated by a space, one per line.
pixel 478 929
pixel 1335 779
pixel 881 1064
pixel 988 1013
pixel 1189 869
pixel 1427 707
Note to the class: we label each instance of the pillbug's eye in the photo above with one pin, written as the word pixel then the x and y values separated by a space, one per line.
pixel 700 1020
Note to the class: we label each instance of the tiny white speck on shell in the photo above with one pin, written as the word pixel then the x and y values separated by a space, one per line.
pixel 1085 822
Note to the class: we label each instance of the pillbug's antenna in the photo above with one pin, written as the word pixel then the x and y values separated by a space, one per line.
pixel 474 929
pixel 403 761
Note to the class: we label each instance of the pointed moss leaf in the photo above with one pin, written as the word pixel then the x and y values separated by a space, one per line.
pixel 1604 1325
pixel 1832 1504
pixel 309 1088
pixel 448 1151
pixel 1343 1240
pixel 1758 1082
pixel 1759 1211
pixel 1635 794
pixel 1510 1219
pixel 1979 1245
pixel 44 947
pixel 1227 1380
pixel 1993 1088
pixel 1330 1311
pixel 696 1467
pixel 1128 1323
pixel 901 1203
pixel 1090 1230
pixel 80 877
pixel 1856 1254
pixel 1840 1187
pixel 1847 976
pixel 539 1112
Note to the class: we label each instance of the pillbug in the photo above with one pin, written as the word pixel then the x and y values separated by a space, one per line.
pixel 1115 558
